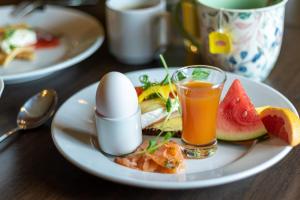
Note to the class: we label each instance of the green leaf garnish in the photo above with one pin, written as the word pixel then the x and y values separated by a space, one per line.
pixel 167 71
pixel 152 146
pixel 200 74
pixel 168 136
pixel 181 76
pixel 169 105
pixel 144 79
pixel 155 143
pixel 12 47
pixel 8 33
pixel 165 80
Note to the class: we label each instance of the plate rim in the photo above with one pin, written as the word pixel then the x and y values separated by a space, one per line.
pixel 178 185
pixel 70 62
pixel 1 85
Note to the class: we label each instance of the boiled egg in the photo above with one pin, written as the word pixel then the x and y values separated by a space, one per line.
pixel 116 96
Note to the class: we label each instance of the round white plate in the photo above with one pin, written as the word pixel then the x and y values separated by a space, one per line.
pixel 81 35
pixel 1 86
pixel 73 132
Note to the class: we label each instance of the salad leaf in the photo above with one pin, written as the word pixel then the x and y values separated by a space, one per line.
pixel 181 76
pixel 144 79
pixel 165 80
pixel 200 74
pixel 168 136
pixel 152 146
pixel 12 47
pixel 169 105
pixel 8 33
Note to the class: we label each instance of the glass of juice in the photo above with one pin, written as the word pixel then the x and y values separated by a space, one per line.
pixel 199 89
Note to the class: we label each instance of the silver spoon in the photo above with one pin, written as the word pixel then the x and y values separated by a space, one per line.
pixel 35 112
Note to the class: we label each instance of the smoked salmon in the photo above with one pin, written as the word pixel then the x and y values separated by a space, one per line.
pixel 168 158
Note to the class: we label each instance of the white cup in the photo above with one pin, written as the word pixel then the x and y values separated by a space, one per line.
pixel 136 31
pixel 254 26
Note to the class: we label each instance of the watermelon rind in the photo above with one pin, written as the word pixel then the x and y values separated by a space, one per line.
pixel 233 136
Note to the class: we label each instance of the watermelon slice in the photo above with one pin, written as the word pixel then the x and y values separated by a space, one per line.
pixel 237 117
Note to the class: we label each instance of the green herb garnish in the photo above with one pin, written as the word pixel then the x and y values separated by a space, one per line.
pixel 181 76
pixel 168 136
pixel 12 47
pixel 200 74
pixel 154 144
pixel 167 71
pixel 8 33
pixel 165 80
pixel 144 79
pixel 169 105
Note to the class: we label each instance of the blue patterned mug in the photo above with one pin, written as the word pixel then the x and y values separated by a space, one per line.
pixel 254 26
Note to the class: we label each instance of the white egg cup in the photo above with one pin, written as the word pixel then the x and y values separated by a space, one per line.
pixel 119 136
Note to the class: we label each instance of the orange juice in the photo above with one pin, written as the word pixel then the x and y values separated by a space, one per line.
pixel 199 104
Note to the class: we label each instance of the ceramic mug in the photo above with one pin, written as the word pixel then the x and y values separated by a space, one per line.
pixel 254 26
pixel 137 29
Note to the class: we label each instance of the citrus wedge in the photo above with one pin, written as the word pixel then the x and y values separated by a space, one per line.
pixel 281 122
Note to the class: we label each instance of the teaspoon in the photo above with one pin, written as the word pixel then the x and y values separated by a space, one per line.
pixel 35 112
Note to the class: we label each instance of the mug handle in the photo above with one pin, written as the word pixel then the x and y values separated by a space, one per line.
pixel 176 16
pixel 161 34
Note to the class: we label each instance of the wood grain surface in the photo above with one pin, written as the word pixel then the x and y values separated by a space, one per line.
pixel 32 168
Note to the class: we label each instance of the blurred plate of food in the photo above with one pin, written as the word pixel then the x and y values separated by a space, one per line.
pixel 45 42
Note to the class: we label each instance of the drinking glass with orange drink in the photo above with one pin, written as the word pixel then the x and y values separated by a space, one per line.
pixel 199 90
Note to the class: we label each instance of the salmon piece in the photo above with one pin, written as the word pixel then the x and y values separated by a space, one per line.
pixel 166 159
pixel 168 156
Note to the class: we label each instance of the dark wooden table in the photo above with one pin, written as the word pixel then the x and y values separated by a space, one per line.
pixel 32 168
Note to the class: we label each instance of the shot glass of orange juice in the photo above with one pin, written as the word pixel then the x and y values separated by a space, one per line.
pixel 199 89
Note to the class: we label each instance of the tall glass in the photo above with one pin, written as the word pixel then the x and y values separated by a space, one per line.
pixel 199 89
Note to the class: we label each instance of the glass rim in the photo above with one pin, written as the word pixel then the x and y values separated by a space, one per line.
pixel 215 85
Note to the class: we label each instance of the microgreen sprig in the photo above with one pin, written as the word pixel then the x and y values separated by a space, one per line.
pixel 168 74
pixel 171 105
pixel 155 144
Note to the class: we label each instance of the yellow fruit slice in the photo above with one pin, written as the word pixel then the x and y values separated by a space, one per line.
pixel 281 122
pixel 162 90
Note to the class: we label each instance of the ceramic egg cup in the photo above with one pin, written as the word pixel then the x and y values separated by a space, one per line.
pixel 114 132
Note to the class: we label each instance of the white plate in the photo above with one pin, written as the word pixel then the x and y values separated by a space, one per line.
pixel 73 132
pixel 1 86
pixel 81 33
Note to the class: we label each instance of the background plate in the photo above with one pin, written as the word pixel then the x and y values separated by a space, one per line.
pixel 73 132
pixel 81 35
pixel 1 86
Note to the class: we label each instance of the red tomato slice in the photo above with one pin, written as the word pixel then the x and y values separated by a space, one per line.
pixel 139 90
pixel 43 43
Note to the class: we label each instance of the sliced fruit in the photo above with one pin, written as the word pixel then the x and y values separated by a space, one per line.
pixel 162 90
pixel 281 122
pixel 237 117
